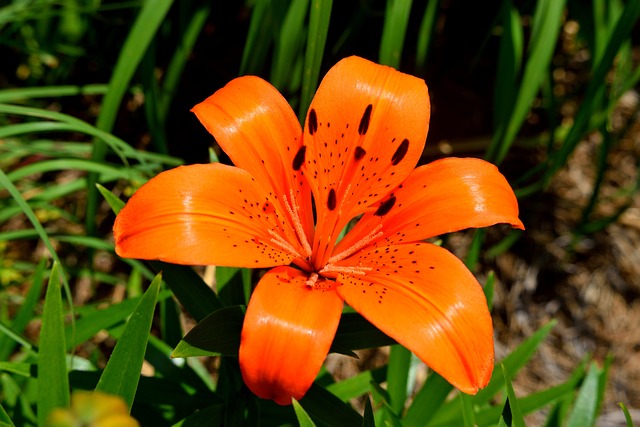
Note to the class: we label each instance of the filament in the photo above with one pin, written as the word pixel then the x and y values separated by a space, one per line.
pixel 283 244
pixel 294 213
pixel 358 270
pixel 373 234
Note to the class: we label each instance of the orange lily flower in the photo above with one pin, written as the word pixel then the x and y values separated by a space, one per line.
pixel 289 197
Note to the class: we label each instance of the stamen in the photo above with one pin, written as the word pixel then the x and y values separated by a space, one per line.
pixel 283 244
pixel 346 196
pixel 294 212
pixel 374 234
pixel 313 278
pixel 359 270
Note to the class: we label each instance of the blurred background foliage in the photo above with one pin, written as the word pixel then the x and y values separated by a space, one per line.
pixel 99 92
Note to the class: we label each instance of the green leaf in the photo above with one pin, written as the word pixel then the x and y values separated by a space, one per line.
pixel 53 382
pixel 367 419
pixel 319 17
pixel 539 400
pixel 70 164
pixel 356 333
pixel 142 32
pixel 208 417
pixel 425 34
pixel 627 415
pixel 316 403
pixel 25 313
pixel 259 36
pixel 304 420
pixel 17 401
pixel 19 368
pixel 397 377
pixel 196 297
pixel 427 401
pixel 289 43
pixel 473 254
pixel 509 64
pixel 113 201
pixel 193 29
pixel 92 322
pixel 396 18
pixel 545 28
pixel 513 362
pixel 122 373
pixel 622 29
pixel 517 419
pixel 586 405
pixel 42 233
pixel 63 122
pixel 357 385
pixel 5 421
pixel 488 289
pixel 468 416
pixel 20 94
pixel 216 334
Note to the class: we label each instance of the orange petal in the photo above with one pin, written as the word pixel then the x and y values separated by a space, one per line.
pixel 259 131
pixel 425 298
pixel 287 332
pixel 202 214
pixel 364 133
pixel 441 197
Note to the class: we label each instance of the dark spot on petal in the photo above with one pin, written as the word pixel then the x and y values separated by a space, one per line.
pixel 386 206
pixel 359 153
pixel 364 121
pixel 313 121
pixel 331 200
pixel 400 152
pixel 298 160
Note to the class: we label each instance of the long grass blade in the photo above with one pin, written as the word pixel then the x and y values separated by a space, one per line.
pixel 26 311
pixel 122 373
pixel 545 30
pixel 42 233
pixel 394 31
pixel 289 44
pixel 319 17
pixel 304 420
pixel 426 32
pixel 53 382
pixel 621 32
pixel 397 377
pixel 19 94
pixel 142 32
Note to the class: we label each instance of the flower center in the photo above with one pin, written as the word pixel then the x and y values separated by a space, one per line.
pixel 304 260
pixel 331 270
